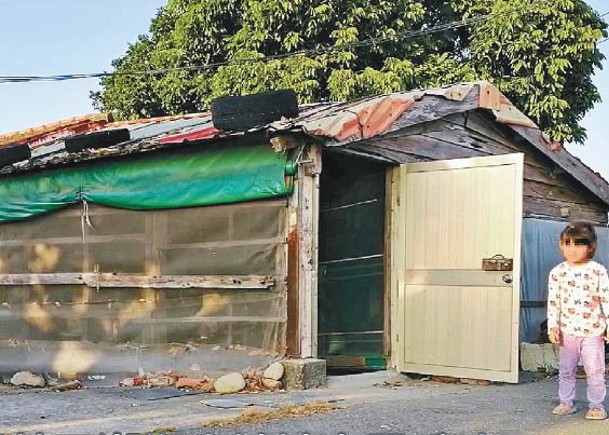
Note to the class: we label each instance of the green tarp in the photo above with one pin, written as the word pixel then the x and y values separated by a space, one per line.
pixel 214 176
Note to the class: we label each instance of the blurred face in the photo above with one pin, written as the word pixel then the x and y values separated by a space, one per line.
pixel 575 251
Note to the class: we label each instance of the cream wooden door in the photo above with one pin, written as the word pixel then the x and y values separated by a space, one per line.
pixel 449 316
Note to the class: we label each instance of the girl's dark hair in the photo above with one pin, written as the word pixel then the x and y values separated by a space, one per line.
pixel 582 232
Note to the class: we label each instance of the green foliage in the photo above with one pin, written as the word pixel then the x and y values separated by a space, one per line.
pixel 541 53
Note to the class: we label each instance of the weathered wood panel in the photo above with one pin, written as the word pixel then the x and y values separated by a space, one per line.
pixel 122 280
pixel 588 178
pixel 544 207
pixel 548 190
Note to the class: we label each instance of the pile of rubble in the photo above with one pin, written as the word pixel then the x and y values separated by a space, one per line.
pixel 262 379
pixel 268 379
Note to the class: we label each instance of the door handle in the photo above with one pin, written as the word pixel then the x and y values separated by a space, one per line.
pixel 507 278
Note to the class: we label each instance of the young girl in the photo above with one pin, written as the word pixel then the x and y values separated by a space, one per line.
pixel 578 304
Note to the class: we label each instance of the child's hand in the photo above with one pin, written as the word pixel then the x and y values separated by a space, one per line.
pixel 554 335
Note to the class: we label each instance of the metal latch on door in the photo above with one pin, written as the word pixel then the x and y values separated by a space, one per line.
pixel 497 263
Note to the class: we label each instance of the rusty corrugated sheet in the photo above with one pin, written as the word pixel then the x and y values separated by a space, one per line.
pixel 207 132
pixel 47 142
pixel 49 132
pixel 145 127
pixel 373 116
pixel 360 121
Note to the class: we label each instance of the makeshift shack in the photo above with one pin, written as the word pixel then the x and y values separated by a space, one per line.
pixel 356 232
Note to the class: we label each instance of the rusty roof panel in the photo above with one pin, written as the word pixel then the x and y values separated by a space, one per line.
pixel 372 116
pixel 206 132
pixel 508 114
pixel 359 121
pixel 49 132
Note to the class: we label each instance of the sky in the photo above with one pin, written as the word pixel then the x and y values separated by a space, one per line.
pixel 45 37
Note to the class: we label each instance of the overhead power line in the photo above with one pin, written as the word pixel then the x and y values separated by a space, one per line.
pixel 321 50
pixel 317 51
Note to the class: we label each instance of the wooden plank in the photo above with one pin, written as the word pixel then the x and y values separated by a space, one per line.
pixel 383 154
pixel 345 361
pixel 426 148
pixel 544 207
pixel 555 192
pixel 125 280
pixel 387 253
pixel 293 304
pixel 489 97
pixel 483 124
pixel 396 262
pixel 308 233
pixel 209 319
pixel 134 319
pixel 571 165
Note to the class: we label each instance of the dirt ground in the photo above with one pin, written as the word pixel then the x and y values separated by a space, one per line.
pixel 368 403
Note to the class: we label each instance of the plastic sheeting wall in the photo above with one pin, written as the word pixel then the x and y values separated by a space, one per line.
pixel 540 254
pixel 238 239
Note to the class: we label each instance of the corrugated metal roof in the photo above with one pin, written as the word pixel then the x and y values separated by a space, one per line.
pixel 337 124
pixel 206 132
pixel 47 142
pixel 360 121
pixel 374 116
pixel 152 129
pixel 341 122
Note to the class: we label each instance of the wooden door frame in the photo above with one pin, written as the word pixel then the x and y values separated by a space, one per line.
pixel 302 255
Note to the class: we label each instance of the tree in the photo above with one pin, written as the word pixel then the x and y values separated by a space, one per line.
pixel 540 53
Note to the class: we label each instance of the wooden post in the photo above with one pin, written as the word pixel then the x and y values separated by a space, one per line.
pixel 292 274
pixel 308 228
pixel 395 262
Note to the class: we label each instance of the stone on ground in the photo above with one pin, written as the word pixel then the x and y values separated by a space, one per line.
pixel 29 379
pixel 230 383
pixel 274 371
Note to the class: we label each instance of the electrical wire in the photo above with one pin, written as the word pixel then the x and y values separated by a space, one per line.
pixel 318 51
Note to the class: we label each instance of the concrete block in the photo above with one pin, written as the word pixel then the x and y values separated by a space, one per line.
pixel 302 374
pixel 539 356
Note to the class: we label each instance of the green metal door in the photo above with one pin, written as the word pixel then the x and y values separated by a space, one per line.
pixel 351 262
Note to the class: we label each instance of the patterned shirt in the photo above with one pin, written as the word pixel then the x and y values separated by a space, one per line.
pixel 578 299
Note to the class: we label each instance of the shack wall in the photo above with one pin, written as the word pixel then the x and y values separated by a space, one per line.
pixel 218 284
